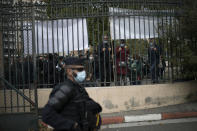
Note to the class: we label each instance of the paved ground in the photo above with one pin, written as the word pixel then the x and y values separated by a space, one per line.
pixel 189 124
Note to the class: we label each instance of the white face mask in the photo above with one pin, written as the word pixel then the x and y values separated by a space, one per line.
pixel 122 45
pixel 91 57
pixel 105 41
pixel 80 76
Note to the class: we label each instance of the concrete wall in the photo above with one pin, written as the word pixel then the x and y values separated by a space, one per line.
pixel 116 99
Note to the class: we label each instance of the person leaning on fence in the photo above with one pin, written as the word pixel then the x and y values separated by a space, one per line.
pixel 153 58
pixel 122 53
pixel 69 107
pixel 136 70
pixel 104 51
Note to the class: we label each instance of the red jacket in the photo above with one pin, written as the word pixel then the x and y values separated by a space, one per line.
pixel 121 56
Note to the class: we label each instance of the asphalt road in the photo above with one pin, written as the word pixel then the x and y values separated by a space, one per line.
pixel 167 125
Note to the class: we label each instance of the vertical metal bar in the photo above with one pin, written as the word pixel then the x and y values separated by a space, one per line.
pixel 27 66
pixel 149 55
pixel 63 20
pixel 159 42
pixel 72 15
pixel 110 46
pixel 12 56
pixel 125 47
pixel 163 44
pixel 34 60
pixel 94 48
pixel 37 50
pixel 104 46
pixel 47 61
pixel 167 24
pixel 99 49
pixel 135 39
pixel 130 44
pixel 42 55
pixel 67 21
pixel 21 59
pixel 51 56
pixel 120 57
pixel 78 33
pixel 57 74
pixel 171 50
pixel 114 48
pixel 3 57
pixel 17 56
pixel 146 52
pixel 83 28
pixel 138 80
pixel 155 54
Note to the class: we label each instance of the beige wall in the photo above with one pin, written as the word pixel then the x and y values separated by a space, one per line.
pixel 116 99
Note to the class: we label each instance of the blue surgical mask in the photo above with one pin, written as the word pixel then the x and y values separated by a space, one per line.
pixel 80 76
pixel 151 44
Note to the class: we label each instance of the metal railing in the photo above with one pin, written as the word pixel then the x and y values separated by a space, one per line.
pixel 125 42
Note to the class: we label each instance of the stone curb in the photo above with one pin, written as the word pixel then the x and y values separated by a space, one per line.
pixel 140 118
pixel 147 117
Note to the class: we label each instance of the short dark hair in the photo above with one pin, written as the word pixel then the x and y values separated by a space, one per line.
pixel 122 40
pixel 74 61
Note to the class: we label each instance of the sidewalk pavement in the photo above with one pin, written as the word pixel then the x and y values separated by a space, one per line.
pixel 162 113
pixel 186 110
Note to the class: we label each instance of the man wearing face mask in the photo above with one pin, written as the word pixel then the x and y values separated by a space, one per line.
pixel 69 107
pixel 104 51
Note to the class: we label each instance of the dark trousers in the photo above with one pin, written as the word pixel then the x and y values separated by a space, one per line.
pixel 154 73
pixel 105 75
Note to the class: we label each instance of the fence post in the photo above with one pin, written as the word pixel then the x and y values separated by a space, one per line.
pixel 1 60
pixel 34 63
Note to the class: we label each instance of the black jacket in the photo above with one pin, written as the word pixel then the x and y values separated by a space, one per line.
pixel 66 104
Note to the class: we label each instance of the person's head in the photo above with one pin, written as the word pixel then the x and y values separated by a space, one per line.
pixel 105 39
pixel 122 43
pixel 75 69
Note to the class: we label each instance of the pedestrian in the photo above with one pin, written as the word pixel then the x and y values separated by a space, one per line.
pixel 122 53
pixel 104 51
pixel 153 58
pixel 69 107
pixel 136 70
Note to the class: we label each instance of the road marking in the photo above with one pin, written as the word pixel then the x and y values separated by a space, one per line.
pixel 135 124
pixel 148 117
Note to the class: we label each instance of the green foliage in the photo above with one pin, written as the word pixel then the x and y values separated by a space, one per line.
pixel 189 32
pixel 180 42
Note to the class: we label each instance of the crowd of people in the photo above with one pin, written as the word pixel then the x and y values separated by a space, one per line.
pixel 121 64
pixel 105 65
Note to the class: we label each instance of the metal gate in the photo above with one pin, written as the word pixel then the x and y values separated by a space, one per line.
pixel 124 42
pixel 18 88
